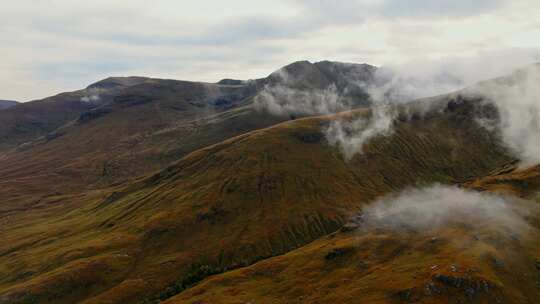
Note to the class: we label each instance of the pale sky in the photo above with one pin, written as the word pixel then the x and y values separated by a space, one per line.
pixel 51 46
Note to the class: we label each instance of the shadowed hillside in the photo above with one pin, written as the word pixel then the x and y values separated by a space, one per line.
pixel 460 262
pixel 31 120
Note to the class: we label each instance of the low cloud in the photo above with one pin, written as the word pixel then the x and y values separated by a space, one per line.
pixel 290 95
pixel 93 95
pixel 301 92
pixel 283 100
pixel 517 98
pixel 391 86
pixel 351 135
pixel 437 206
pixel 90 99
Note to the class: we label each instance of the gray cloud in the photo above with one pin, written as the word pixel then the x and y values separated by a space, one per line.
pixel 283 100
pixel 356 11
pixel 440 7
pixel 350 135
pixel 204 40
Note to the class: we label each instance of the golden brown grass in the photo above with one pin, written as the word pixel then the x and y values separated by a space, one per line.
pixel 248 198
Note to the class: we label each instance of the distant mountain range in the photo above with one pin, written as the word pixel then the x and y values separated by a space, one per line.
pixel 4 104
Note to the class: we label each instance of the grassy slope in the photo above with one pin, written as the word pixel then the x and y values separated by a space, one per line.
pixel 510 180
pixel 129 139
pixel 458 263
pixel 115 149
pixel 228 205
pixel 31 120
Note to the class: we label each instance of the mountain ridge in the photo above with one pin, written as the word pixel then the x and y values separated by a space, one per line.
pixel 5 104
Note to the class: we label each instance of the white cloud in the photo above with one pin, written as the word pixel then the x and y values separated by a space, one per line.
pixel 437 206
pixel 350 135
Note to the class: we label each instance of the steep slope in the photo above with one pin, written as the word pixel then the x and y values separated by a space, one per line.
pixel 487 261
pixel 459 263
pixel 40 117
pixel 33 119
pixel 120 128
pixel 511 180
pixel 251 197
pixel 4 104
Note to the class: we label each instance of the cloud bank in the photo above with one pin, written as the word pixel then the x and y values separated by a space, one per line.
pixel 438 206
pixel 283 100
pixel 517 101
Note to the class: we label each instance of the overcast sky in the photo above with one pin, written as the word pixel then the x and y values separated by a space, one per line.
pixel 50 46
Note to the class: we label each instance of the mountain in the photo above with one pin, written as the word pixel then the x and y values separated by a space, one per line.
pixel 183 192
pixel 459 263
pixel 4 104
pixel 270 191
pixel 41 117
pixel 31 120
pixel 120 128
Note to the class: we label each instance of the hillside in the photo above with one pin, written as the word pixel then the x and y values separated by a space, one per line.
pixel 228 205
pixel 491 260
pixel 31 120
pixel 120 128
pixel 459 263
pixel 144 129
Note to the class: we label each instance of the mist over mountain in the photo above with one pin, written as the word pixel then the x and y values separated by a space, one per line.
pixel 322 182
pixel 270 152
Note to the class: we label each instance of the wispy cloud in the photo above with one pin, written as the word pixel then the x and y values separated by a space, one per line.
pixel 435 207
